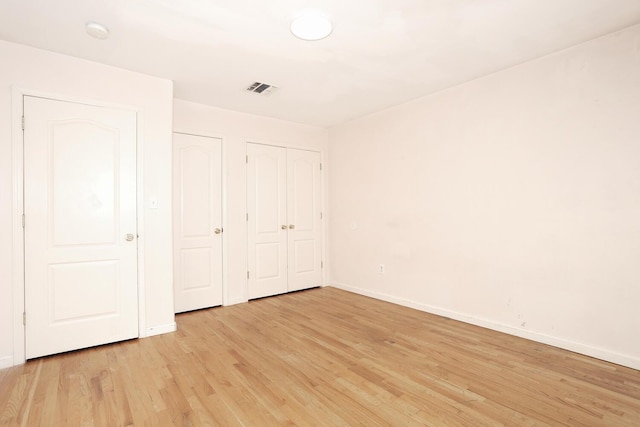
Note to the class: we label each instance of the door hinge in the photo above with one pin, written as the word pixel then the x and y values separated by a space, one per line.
pixel 247 158
pixel 247 217
pixel 320 215
pixel 321 264
pixel 247 274
pixel 22 220
pixel 320 166
pixel 22 122
pixel 24 318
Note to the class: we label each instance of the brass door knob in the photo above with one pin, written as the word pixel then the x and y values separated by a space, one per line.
pixel 291 226
pixel 284 227
pixel 129 237
pixel 217 231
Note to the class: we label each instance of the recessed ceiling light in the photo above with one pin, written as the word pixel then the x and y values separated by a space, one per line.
pixel 96 30
pixel 311 25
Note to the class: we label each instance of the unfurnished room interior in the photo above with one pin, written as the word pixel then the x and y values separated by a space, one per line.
pixel 320 212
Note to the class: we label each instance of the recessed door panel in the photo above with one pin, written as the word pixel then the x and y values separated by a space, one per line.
pixel 67 286
pixel 196 268
pixel 266 206
pixel 303 187
pixel 195 169
pixel 197 216
pixel 80 205
pixel 84 183
pixel 268 262
pixel 305 251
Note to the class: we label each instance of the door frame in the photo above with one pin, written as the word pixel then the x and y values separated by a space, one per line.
pixel 223 170
pixel 17 209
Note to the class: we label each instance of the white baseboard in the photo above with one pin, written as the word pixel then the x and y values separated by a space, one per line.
pixel 598 353
pixel 161 329
pixel 6 362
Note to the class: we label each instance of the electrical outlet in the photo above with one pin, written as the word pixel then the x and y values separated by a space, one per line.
pixel 381 268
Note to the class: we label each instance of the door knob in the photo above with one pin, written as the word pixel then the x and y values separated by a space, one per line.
pixel 284 227
pixel 217 231
pixel 291 226
pixel 129 237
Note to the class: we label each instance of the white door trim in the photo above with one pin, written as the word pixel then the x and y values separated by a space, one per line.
pixel 17 174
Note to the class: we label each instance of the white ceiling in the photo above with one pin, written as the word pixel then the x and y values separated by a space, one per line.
pixel 381 52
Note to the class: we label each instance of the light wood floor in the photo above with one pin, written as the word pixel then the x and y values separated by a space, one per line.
pixel 320 357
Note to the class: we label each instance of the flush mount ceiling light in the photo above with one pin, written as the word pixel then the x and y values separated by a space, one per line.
pixel 311 25
pixel 97 31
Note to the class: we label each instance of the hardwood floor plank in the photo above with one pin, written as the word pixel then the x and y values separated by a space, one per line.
pixel 320 357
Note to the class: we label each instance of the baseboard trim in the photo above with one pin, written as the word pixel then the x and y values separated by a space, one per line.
pixel 587 350
pixel 6 362
pixel 161 329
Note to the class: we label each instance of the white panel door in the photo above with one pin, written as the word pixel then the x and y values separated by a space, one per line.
pixel 80 226
pixel 267 220
pixel 197 222
pixel 305 222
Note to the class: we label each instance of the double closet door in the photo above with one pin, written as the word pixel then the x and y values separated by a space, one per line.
pixel 284 220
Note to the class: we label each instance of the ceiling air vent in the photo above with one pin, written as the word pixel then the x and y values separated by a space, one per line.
pixel 261 88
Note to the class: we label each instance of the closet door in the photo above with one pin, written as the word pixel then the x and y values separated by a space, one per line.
pixel 304 242
pixel 197 218
pixel 267 220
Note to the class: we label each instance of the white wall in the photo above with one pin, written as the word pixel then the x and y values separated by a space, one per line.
pixel 236 129
pixel 58 75
pixel 512 201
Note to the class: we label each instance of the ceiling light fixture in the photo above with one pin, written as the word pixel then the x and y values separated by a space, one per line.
pixel 311 25
pixel 97 31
